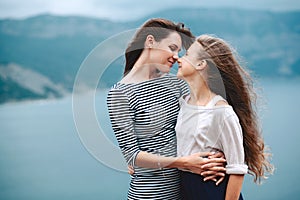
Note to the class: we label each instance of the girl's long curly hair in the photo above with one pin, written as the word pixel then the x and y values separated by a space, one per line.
pixel 238 87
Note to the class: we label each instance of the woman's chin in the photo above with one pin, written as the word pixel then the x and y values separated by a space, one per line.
pixel 164 69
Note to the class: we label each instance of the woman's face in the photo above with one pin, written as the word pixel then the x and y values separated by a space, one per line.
pixel 188 63
pixel 165 52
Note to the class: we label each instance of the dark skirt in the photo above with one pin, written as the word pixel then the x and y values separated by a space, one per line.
pixel 194 188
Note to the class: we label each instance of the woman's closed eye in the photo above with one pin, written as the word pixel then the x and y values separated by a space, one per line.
pixel 173 47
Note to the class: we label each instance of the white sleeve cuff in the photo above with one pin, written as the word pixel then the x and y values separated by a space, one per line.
pixel 237 169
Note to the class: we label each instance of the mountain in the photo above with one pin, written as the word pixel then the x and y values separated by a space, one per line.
pixel 41 55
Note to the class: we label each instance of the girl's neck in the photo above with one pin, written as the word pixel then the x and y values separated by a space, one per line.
pixel 200 94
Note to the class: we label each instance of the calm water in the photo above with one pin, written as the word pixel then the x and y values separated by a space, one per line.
pixel 42 157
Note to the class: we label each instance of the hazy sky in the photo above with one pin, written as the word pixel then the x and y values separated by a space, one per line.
pixel 124 9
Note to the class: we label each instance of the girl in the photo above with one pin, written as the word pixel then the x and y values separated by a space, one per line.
pixel 218 115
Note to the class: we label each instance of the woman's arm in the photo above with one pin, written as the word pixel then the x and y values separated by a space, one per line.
pixel 211 169
pixel 234 186
pixel 123 126
pixel 191 163
pixel 121 118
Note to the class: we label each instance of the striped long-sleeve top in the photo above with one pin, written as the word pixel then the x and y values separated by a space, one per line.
pixel 143 117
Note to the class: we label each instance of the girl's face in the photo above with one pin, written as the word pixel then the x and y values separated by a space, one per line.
pixel 187 65
pixel 165 52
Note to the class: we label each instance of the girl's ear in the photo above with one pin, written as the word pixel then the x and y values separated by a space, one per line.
pixel 149 41
pixel 201 65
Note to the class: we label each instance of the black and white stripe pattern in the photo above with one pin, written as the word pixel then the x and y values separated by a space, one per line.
pixel 143 117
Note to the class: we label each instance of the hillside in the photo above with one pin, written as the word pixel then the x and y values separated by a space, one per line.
pixel 45 51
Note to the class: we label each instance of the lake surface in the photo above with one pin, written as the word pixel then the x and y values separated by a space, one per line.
pixel 43 157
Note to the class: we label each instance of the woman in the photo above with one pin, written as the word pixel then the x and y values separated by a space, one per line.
pixel 143 109
pixel 227 125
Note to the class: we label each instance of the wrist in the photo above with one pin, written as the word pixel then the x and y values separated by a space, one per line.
pixel 173 162
pixel 179 162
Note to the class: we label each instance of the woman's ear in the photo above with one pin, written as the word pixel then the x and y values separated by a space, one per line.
pixel 201 65
pixel 149 41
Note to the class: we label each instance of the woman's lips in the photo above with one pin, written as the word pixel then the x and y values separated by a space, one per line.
pixel 171 63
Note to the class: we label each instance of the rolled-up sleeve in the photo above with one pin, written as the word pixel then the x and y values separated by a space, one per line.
pixel 122 123
pixel 232 143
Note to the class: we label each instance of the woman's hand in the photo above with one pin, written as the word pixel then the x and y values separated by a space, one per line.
pixel 210 165
pixel 214 170
pixel 130 169
pixel 200 162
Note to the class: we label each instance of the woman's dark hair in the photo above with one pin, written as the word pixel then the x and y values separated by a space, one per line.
pixel 159 29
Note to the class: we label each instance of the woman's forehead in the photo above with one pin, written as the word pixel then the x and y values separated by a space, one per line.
pixel 173 37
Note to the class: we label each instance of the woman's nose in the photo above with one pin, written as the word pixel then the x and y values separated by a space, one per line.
pixel 175 56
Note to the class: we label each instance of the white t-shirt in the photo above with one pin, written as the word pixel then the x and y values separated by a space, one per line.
pixel 211 128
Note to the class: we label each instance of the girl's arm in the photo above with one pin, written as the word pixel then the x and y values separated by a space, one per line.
pixel 234 186
pixel 232 143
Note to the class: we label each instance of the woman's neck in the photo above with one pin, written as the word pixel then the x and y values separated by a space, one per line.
pixel 141 71
pixel 200 94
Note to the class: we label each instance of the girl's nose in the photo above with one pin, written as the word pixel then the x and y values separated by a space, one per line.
pixel 179 60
